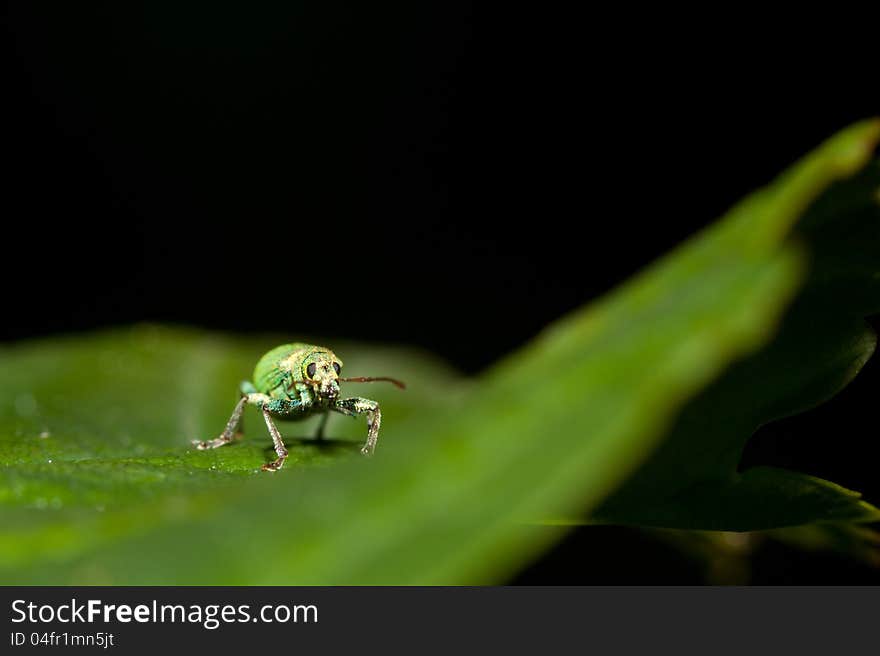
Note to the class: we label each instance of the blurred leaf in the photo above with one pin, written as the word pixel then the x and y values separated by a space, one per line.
pixel 692 481
pixel 727 558
pixel 461 466
pixel 854 541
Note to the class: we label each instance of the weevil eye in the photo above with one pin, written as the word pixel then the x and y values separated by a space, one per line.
pixel 337 367
pixel 310 370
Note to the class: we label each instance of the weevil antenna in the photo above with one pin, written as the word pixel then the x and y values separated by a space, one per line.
pixel 372 379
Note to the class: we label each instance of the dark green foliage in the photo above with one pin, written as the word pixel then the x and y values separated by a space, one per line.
pixel 632 410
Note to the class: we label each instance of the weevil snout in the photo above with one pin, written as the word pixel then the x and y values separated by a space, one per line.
pixel 324 371
pixel 329 388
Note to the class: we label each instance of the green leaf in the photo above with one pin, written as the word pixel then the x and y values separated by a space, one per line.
pixel 463 466
pixel 106 419
pixel 692 481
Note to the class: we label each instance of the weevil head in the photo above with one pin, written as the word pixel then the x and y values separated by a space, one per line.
pixel 321 369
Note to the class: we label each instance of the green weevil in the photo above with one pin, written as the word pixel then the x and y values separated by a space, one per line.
pixel 295 381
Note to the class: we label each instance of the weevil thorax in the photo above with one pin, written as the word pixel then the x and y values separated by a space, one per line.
pixel 320 369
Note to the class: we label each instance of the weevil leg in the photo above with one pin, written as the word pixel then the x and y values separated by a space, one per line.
pixel 319 434
pixel 230 433
pixel 247 389
pixel 276 438
pixel 358 406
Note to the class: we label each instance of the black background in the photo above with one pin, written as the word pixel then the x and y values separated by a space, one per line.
pixel 441 174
